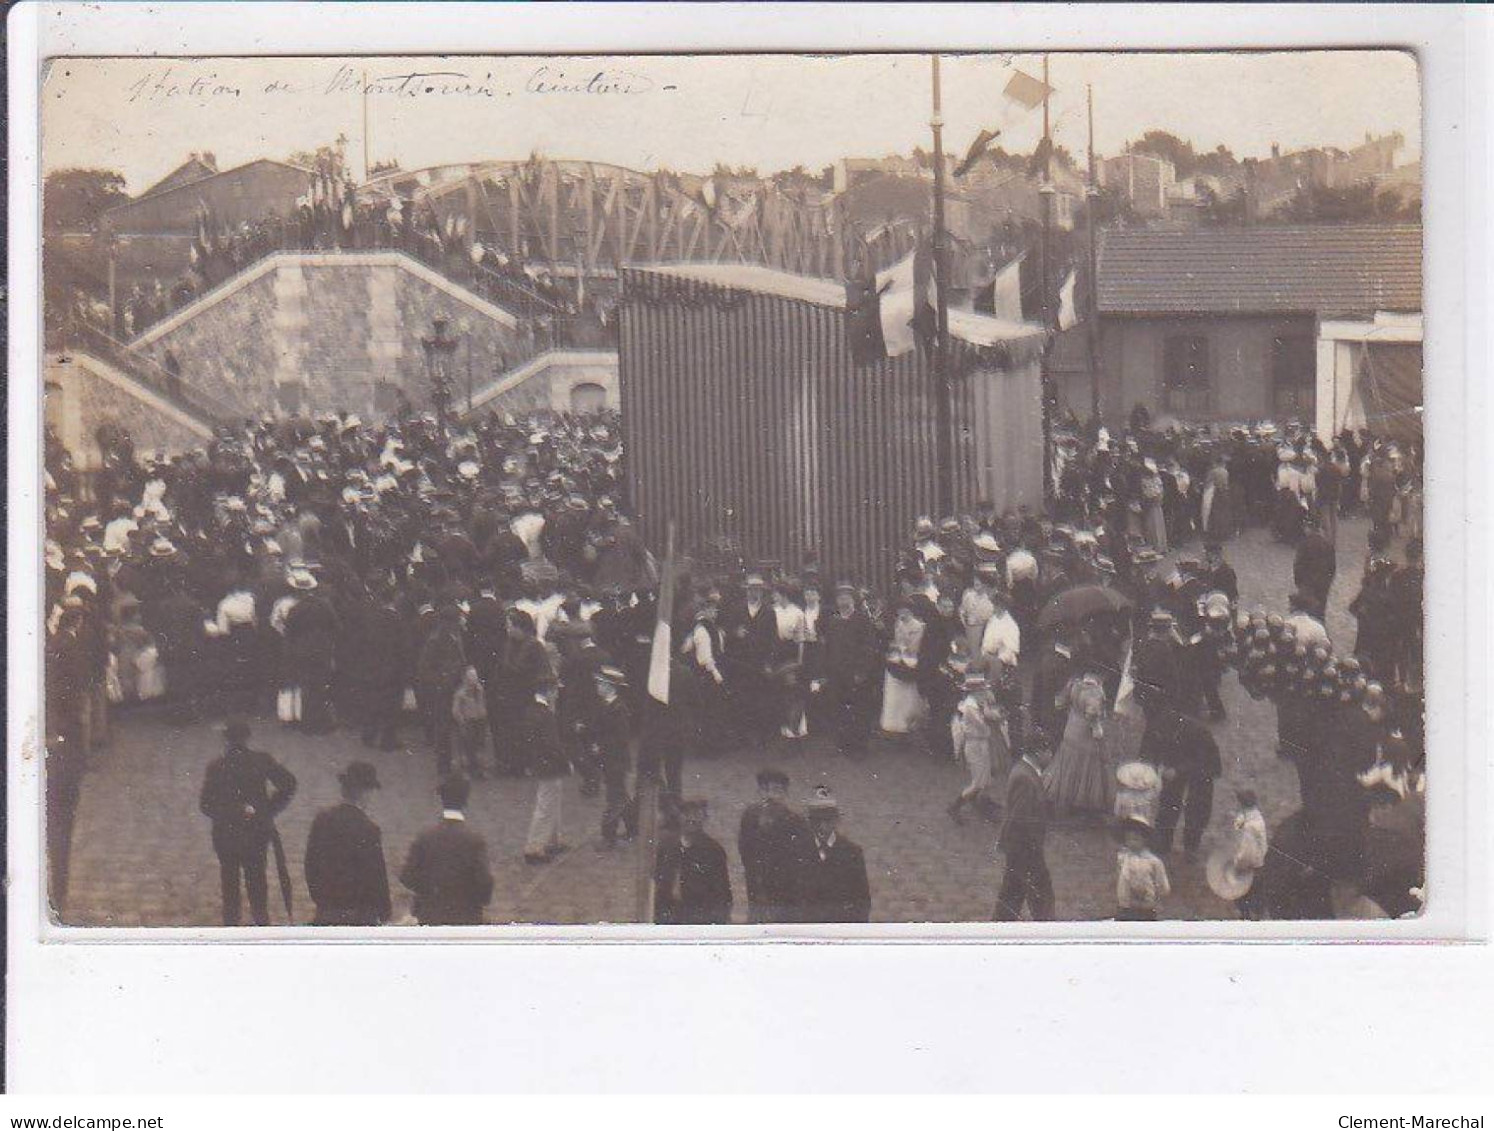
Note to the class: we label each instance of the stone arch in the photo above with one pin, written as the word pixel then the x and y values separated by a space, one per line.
pixel 587 397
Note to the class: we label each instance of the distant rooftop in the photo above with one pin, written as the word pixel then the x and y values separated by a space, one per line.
pixel 1331 270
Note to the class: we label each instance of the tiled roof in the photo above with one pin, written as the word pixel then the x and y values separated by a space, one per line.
pixel 1325 269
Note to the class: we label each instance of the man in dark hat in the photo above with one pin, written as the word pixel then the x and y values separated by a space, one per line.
pixel 773 842
pixel 546 761
pixel 447 868
pixel 691 882
pixel 850 642
pixel 1024 829
pixel 832 883
pixel 242 793
pixel 345 870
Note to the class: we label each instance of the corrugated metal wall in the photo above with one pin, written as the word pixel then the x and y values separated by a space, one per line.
pixel 744 417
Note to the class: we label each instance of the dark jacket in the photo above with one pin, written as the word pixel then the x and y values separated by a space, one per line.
pixel 834 889
pixel 310 639
pixel 1315 564
pixel 345 870
pixel 691 882
pixel 539 735
pixel 447 869
pixel 1192 751
pixel 1025 824
pixel 773 846
pixel 442 660
pixel 242 794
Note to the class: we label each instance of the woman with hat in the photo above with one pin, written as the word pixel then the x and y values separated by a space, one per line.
pixel 1153 521
pixel 903 705
pixel 1080 778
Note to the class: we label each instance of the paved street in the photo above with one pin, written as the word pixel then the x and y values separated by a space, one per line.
pixel 142 858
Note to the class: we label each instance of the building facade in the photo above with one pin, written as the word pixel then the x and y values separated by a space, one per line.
pixel 1224 324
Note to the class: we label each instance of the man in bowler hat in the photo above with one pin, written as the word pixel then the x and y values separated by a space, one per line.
pixel 772 843
pixel 242 793
pixel 345 870
pixel 447 868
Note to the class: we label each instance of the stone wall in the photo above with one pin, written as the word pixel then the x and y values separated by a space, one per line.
pixel 559 380
pixel 228 350
pixel 329 332
pixel 82 393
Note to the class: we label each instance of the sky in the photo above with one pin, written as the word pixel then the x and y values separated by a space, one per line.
pixel 770 112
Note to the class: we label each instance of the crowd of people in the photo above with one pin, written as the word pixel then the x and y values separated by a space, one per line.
pixel 337 219
pixel 486 591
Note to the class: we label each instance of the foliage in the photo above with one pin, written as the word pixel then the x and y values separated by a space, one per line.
pixel 1185 160
pixel 74 199
pixel 325 158
pixel 1359 203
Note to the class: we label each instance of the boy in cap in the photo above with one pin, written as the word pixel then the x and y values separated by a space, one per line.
pixel 772 842
pixel 345 870
pixel 974 728
pixel 691 881
pixel 832 885
pixel 611 737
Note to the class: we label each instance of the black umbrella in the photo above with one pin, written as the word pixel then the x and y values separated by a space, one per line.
pixel 1073 605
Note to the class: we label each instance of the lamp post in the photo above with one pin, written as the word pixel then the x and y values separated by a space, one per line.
pixel 439 349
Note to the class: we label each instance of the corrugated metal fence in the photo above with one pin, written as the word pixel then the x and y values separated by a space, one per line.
pixel 745 418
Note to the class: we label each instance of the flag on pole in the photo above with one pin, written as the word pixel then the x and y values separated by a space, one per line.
pixel 659 656
pixel 977 150
pixel 1006 291
pixel 1068 314
pixel 907 308
pixel 1026 91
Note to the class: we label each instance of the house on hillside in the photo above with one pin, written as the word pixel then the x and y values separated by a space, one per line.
pixel 1230 323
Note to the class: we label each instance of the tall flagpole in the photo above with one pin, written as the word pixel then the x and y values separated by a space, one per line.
pixel 943 424
pixel 1093 194
pixel 1045 190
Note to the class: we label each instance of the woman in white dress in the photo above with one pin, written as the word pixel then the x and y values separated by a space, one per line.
pixel 903 705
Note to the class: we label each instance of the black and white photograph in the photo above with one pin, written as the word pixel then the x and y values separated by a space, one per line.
pixel 750 491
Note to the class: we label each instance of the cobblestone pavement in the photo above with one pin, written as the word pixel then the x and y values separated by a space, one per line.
pixel 141 854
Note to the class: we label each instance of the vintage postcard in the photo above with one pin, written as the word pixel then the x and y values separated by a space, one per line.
pixel 760 490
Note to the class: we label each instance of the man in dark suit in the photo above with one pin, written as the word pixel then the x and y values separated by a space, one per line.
pixel 345 870
pixel 447 868
pixel 691 883
pixel 773 842
pixel 1189 763
pixel 751 638
pixel 1315 565
pixel 242 793
pixel 850 641
pixel 832 884
pixel 1023 832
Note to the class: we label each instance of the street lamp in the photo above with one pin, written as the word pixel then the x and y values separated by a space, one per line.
pixel 438 355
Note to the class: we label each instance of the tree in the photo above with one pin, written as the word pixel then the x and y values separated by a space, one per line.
pixel 1352 204
pixel 1169 147
pixel 74 199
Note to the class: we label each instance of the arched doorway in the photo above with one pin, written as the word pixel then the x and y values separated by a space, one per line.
pixel 587 397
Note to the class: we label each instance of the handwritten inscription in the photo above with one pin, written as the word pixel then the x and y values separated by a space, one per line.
pixel 176 84
pixel 553 80
pixel 168 84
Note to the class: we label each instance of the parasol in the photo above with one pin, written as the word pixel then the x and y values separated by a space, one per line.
pixel 1073 605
